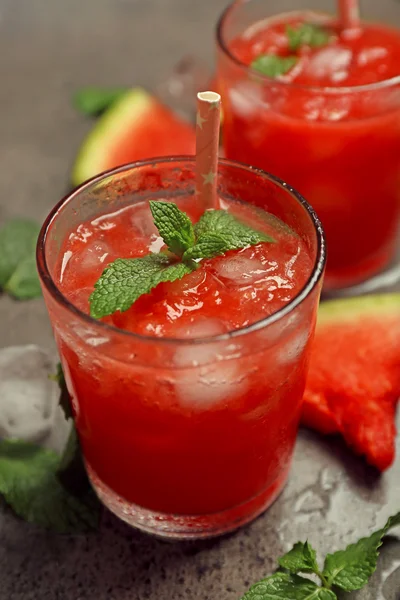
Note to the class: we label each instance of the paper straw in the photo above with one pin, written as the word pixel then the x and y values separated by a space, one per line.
pixel 349 14
pixel 207 141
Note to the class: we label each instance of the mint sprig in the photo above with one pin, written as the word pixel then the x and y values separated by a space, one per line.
pixel 273 66
pixel 307 34
pixel 285 586
pixel 92 101
pixel 18 273
pixel 30 485
pixel 348 569
pixel 126 279
pixel 351 568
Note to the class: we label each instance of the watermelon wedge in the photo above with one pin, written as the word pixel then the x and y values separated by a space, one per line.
pixel 354 380
pixel 136 126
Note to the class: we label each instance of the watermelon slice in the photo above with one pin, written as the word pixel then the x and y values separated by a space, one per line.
pixel 136 126
pixel 354 380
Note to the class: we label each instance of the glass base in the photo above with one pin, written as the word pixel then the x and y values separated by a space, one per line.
pixel 186 527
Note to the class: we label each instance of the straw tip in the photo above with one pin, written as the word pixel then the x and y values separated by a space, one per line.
pixel 209 97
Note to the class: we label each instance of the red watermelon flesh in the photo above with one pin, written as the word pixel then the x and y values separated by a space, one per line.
pixel 354 380
pixel 136 127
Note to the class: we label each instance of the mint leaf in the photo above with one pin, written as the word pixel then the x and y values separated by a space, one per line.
pixel 29 484
pixel 126 279
pixel 351 568
pixel 285 586
pixel 18 274
pixel 301 558
pixel 208 246
pixel 218 231
pixel 307 34
pixel 272 65
pixel 175 227
pixel 24 282
pixel 94 100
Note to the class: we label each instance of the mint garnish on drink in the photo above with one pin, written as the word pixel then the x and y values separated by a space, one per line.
pixel 272 65
pixel 348 570
pixel 126 279
pixel 307 34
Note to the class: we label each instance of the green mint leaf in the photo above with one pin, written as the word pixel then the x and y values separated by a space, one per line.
pixel 24 282
pixel 351 568
pixel 218 231
pixel 126 279
pixel 272 65
pixel 307 34
pixel 93 100
pixel 208 246
pixel 301 558
pixel 285 586
pixel 18 274
pixel 175 227
pixel 29 484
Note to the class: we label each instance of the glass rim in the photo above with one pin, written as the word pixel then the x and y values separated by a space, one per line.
pixel 329 90
pixel 52 288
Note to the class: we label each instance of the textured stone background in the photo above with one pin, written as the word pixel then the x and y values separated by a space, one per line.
pixel 48 48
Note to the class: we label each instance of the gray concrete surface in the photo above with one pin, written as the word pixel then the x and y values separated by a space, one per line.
pixel 48 48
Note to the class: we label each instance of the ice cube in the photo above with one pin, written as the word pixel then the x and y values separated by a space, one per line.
pixel 202 328
pixel 199 354
pixel 240 270
pixel 330 62
pixel 93 255
pixel 142 221
pixel 28 398
pixel 247 99
pixel 189 284
pixel 369 55
pixel 291 350
pixel 211 385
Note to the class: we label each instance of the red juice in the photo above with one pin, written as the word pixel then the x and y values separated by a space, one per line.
pixel 174 420
pixel 330 127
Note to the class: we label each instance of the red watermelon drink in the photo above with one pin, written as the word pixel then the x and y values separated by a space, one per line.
pixel 187 402
pixel 320 108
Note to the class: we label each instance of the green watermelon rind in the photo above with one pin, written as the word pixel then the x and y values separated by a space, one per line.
pixel 94 153
pixel 358 308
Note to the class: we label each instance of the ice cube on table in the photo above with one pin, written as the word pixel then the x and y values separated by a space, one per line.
pixel 211 386
pixel 28 398
pixel 240 270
